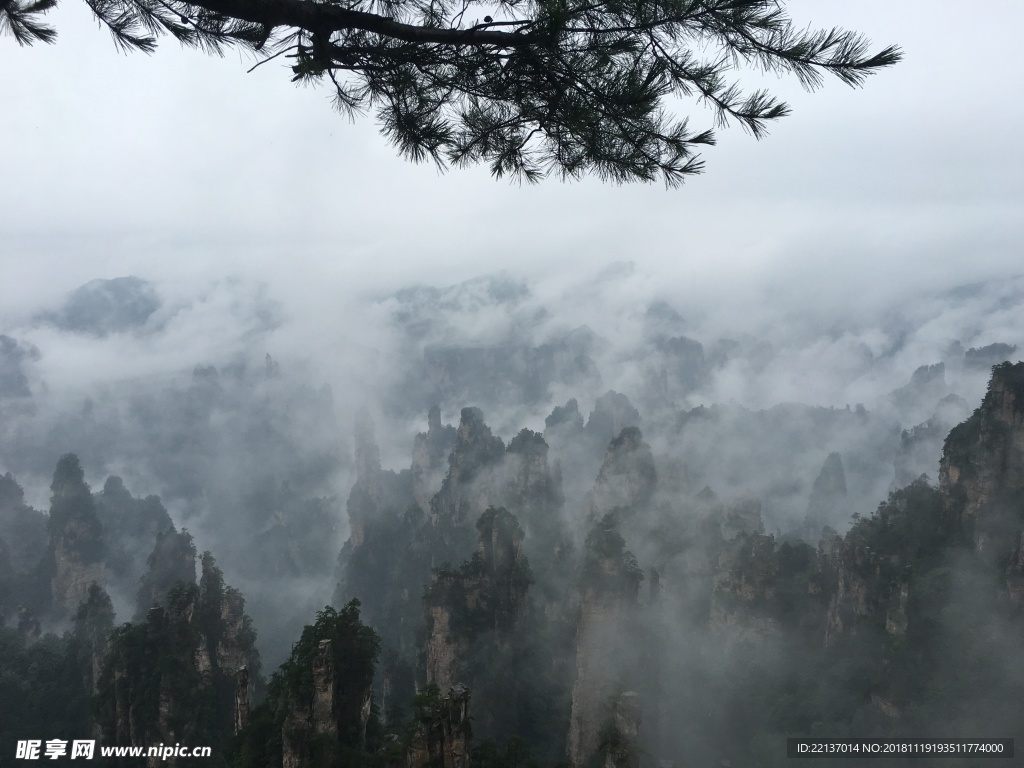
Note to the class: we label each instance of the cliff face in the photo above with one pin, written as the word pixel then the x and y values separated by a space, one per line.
pixel 94 622
pixel 483 632
pixel 172 562
pixel 530 488
pixel 443 732
pixel 856 594
pixel 376 491
pixel 532 491
pixel 981 486
pixel 627 478
pixel 982 470
pixel 203 639
pixel 323 694
pixel 442 646
pixel 827 504
pixel 243 698
pixel 744 588
pixel 303 724
pixel 920 446
pixel 138 704
pixel 226 631
pixel 606 639
pixel 76 538
pixel 73 574
pixel 479 604
pixel 742 516
pixel 22 529
pixel 367 492
pixel 319 705
pixel 565 418
pixel 430 452
pixel 130 526
pixel 623 750
pixel 613 412
pixel 927 386
pixel 471 483
pixel 683 367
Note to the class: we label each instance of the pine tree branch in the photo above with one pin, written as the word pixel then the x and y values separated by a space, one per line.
pixel 321 18
pixel 19 21
pixel 556 86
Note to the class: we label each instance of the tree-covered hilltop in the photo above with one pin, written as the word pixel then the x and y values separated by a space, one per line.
pixel 186 673
pixel 319 710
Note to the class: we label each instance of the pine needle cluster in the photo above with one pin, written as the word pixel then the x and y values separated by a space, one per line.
pixel 532 88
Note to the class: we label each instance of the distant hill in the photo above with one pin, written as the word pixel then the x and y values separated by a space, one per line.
pixel 101 307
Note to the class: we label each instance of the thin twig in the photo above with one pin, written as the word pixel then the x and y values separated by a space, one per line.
pixel 270 58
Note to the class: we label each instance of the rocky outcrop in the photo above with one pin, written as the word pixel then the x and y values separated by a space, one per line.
pixel 442 646
pixel 623 736
pixel 76 538
pixel 867 588
pixel 578 452
pixel 982 358
pixel 682 366
pixel 565 418
pixel 926 387
pixel 531 490
pixel 612 413
pixel 827 504
pixel 504 573
pixel 172 562
pixel 243 698
pixel 606 641
pixel 471 484
pixel 227 633
pixel 443 731
pixel 896 611
pixel 302 725
pixel 920 447
pixel 744 591
pixel 367 492
pixel 321 699
pixel 742 516
pixel 480 603
pixel 627 478
pixel 130 526
pixel 981 475
pixel 188 650
pixel 376 490
pixel 94 622
pixel 73 575
pixel 430 451
pixel 850 596
pixel 139 703
pixel 22 528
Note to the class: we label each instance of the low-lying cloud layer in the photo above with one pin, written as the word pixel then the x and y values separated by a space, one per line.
pixel 516 345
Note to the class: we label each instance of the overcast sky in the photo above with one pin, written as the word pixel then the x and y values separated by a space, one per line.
pixel 181 168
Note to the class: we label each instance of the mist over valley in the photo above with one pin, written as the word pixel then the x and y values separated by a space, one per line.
pixel 596 520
